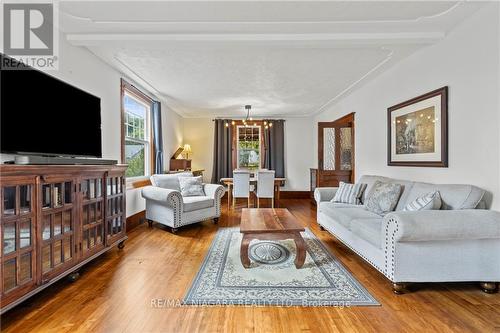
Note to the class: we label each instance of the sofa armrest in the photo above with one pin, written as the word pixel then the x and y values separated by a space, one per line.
pixel 434 225
pixel 324 193
pixel 214 191
pixel 171 198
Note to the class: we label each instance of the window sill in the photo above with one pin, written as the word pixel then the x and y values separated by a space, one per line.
pixel 138 182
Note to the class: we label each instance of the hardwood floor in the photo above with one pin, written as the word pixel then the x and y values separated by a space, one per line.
pixel 114 294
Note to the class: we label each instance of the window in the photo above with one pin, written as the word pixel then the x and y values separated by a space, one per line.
pixel 136 115
pixel 248 146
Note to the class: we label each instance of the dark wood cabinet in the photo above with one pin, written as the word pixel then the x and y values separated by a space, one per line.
pixel 55 219
pixel 180 164
pixel 335 154
pixel 328 178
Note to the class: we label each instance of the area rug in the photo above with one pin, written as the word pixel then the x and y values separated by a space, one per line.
pixel 272 279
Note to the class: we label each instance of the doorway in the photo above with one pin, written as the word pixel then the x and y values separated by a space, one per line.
pixel 336 158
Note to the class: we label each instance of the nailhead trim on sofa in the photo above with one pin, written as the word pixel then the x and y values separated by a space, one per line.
pixel 390 242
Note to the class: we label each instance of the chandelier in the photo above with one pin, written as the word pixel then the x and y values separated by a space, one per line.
pixel 248 119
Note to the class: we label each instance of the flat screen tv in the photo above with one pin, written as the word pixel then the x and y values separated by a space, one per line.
pixel 43 115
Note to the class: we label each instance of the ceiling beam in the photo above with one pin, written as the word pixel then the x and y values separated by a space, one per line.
pixel 315 39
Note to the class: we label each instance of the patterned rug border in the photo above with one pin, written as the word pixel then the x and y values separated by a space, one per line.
pixel 189 301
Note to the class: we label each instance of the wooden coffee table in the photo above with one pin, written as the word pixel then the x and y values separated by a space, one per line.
pixel 270 224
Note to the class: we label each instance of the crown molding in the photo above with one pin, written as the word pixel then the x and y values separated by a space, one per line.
pixel 353 85
pixel 199 22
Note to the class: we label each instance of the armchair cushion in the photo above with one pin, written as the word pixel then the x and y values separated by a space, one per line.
pixel 191 186
pixel 169 181
pixel 196 203
pixel 433 225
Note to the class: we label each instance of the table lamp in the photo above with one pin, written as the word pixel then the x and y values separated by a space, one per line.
pixel 187 150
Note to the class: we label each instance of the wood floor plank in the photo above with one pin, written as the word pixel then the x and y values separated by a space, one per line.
pixel 115 293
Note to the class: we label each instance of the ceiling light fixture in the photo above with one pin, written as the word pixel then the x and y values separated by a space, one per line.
pixel 247 121
pixel 248 108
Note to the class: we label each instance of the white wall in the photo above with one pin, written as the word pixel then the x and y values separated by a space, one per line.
pixel 467 61
pixel 498 90
pixel 199 133
pixel 79 67
pixel 299 153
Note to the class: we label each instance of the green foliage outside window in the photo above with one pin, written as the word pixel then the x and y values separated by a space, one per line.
pixel 248 154
pixel 134 157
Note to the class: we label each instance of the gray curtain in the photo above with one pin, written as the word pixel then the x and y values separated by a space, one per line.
pixel 223 150
pixel 274 142
pixel 157 136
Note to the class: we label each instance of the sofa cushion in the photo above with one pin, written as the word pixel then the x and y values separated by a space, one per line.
pixel 349 193
pixel 169 181
pixel 370 181
pixel 368 229
pixel 344 216
pixel 429 201
pixel 333 205
pixel 383 197
pixel 197 203
pixel 453 196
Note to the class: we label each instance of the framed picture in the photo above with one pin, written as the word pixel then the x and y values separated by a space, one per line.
pixel 418 131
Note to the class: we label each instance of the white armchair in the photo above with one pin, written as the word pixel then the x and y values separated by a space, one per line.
pixel 166 205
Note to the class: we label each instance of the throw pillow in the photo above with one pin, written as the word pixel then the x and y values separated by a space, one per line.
pixel 349 193
pixel 429 201
pixel 191 186
pixel 383 197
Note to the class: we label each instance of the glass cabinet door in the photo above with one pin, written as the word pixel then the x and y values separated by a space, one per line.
pixel 57 230
pixel 92 214
pixel 17 232
pixel 115 208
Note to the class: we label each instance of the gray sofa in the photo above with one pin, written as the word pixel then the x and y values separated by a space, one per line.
pixel 460 242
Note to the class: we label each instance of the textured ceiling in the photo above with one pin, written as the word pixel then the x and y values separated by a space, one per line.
pixel 273 80
pixel 285 58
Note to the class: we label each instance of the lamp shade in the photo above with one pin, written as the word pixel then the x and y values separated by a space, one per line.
pixel 187 148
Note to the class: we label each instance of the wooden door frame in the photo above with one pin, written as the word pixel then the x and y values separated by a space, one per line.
pixel 349 120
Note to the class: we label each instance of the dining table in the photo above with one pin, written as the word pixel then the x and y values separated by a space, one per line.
pixel 278 182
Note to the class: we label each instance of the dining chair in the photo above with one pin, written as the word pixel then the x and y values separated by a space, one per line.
pixel 241 185
pixel 265 186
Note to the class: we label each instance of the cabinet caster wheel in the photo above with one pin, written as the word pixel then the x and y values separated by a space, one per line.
pixel 174 230
pixel 321 227
pixel 216 220
pixel 121 245
pixel 73 276
pixel 150 223
pixel 489 287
